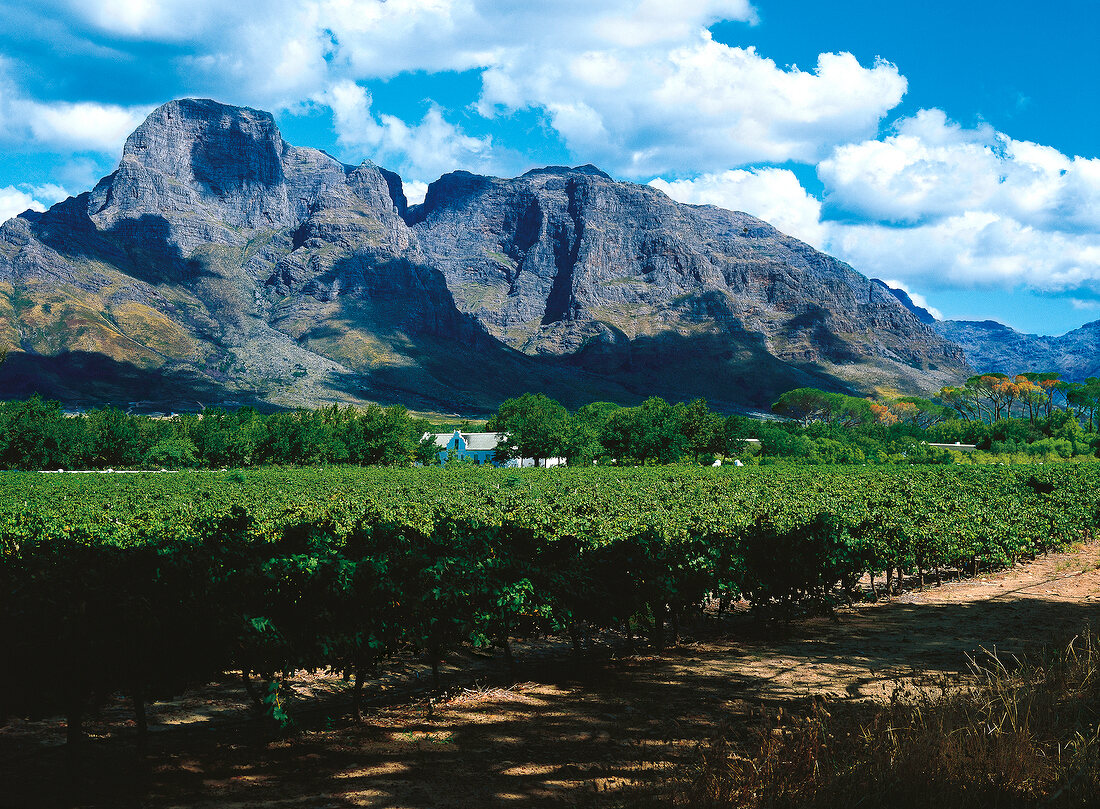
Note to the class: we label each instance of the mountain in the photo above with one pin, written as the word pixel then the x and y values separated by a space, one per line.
pixel 922 314
pixel 992 346
pixel 220 264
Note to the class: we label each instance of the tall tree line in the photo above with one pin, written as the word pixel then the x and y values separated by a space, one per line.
pixel 37 434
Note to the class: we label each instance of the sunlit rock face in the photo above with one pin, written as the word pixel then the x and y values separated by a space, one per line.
pixel 559 259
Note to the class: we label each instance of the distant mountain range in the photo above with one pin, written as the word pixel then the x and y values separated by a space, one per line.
pixel 220 264
pixel 992 346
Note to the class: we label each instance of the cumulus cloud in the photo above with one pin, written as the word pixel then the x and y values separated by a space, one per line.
pixel 415 191
pixel 972 249
pixel 934 203
pixel 699 107
pixel 13 201
pixel 935 200
pixel 933 169
pixel 79 126
pixel 82 125
pixel 638 86
pixel 775 195
pixel 277 48
pixel 423 150
pixel 157 19
pixel 915 297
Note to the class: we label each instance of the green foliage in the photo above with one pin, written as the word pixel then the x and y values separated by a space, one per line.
pixel 582 445
pixel 35 434
pixel 152 582
pixel 822 428
pixel 808 405
pixel 171 453
pixel 534 426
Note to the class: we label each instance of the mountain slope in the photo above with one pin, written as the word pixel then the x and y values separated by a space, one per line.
pixel 219 263
pixel 992 346
pixel 568 262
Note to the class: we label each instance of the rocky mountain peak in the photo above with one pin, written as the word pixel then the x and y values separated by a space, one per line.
pixel 231 261
pixel 202 171
pixel 587 169
pixel 922 314
pixel 215 146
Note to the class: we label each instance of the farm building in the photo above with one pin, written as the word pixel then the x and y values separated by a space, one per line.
pixel 480 448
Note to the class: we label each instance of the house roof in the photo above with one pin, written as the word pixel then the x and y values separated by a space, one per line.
pixel 475 442
pixel 482 441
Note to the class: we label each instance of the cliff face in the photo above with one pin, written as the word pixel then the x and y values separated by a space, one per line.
pixel 219 263
pixel 568 262
pixel 229 263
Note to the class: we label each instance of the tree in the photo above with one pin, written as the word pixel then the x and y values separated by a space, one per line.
pixel 805 405
pixel 1084 399
pixel 958 399
pixel 32 434
pixel 808 405
pixel 649 432
pixel 172 453
pixel 702 429
pixel 386 437
pixel 115 440
pixel 920 412
pixel 582 445
pixel 534 425
pixel 987 389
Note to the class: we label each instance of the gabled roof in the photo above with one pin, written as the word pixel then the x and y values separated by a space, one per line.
pixel 482 441
pixel 475 442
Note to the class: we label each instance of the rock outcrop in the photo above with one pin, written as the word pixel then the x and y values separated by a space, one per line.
pixel 219 263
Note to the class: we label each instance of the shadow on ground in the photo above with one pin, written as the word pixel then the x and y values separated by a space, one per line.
pixel 598 731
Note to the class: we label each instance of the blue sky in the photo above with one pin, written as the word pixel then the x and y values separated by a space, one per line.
pixel 949 147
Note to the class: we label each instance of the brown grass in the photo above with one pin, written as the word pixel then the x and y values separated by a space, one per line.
pixel 1020 733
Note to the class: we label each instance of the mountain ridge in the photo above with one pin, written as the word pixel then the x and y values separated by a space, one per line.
pixel 992 346
pixel 228 264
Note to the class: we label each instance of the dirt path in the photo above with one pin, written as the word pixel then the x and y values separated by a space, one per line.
pixel 569 734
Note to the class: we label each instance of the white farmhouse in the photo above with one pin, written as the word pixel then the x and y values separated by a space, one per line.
pixel 481 449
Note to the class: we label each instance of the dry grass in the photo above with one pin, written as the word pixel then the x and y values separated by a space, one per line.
pixel 1021 733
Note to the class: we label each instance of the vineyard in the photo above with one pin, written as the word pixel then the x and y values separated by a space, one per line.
pixel 146 584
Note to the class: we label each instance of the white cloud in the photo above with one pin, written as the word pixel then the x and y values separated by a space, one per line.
pixel 698 107
pixel 13 201
pixel 281 51
pixel 1084 305
pixel 969 207
pixel 933 169
pixel 935 203
pixel 80 126
pixel 972 249
pixel 165 20
pixel 774 195
pixel 427 149
pixel 16 199
pixel 638 86
pixel 415 191
pixel 83 125
pixel 915 297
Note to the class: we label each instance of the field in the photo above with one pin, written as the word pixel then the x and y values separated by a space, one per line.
pixel 591 581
